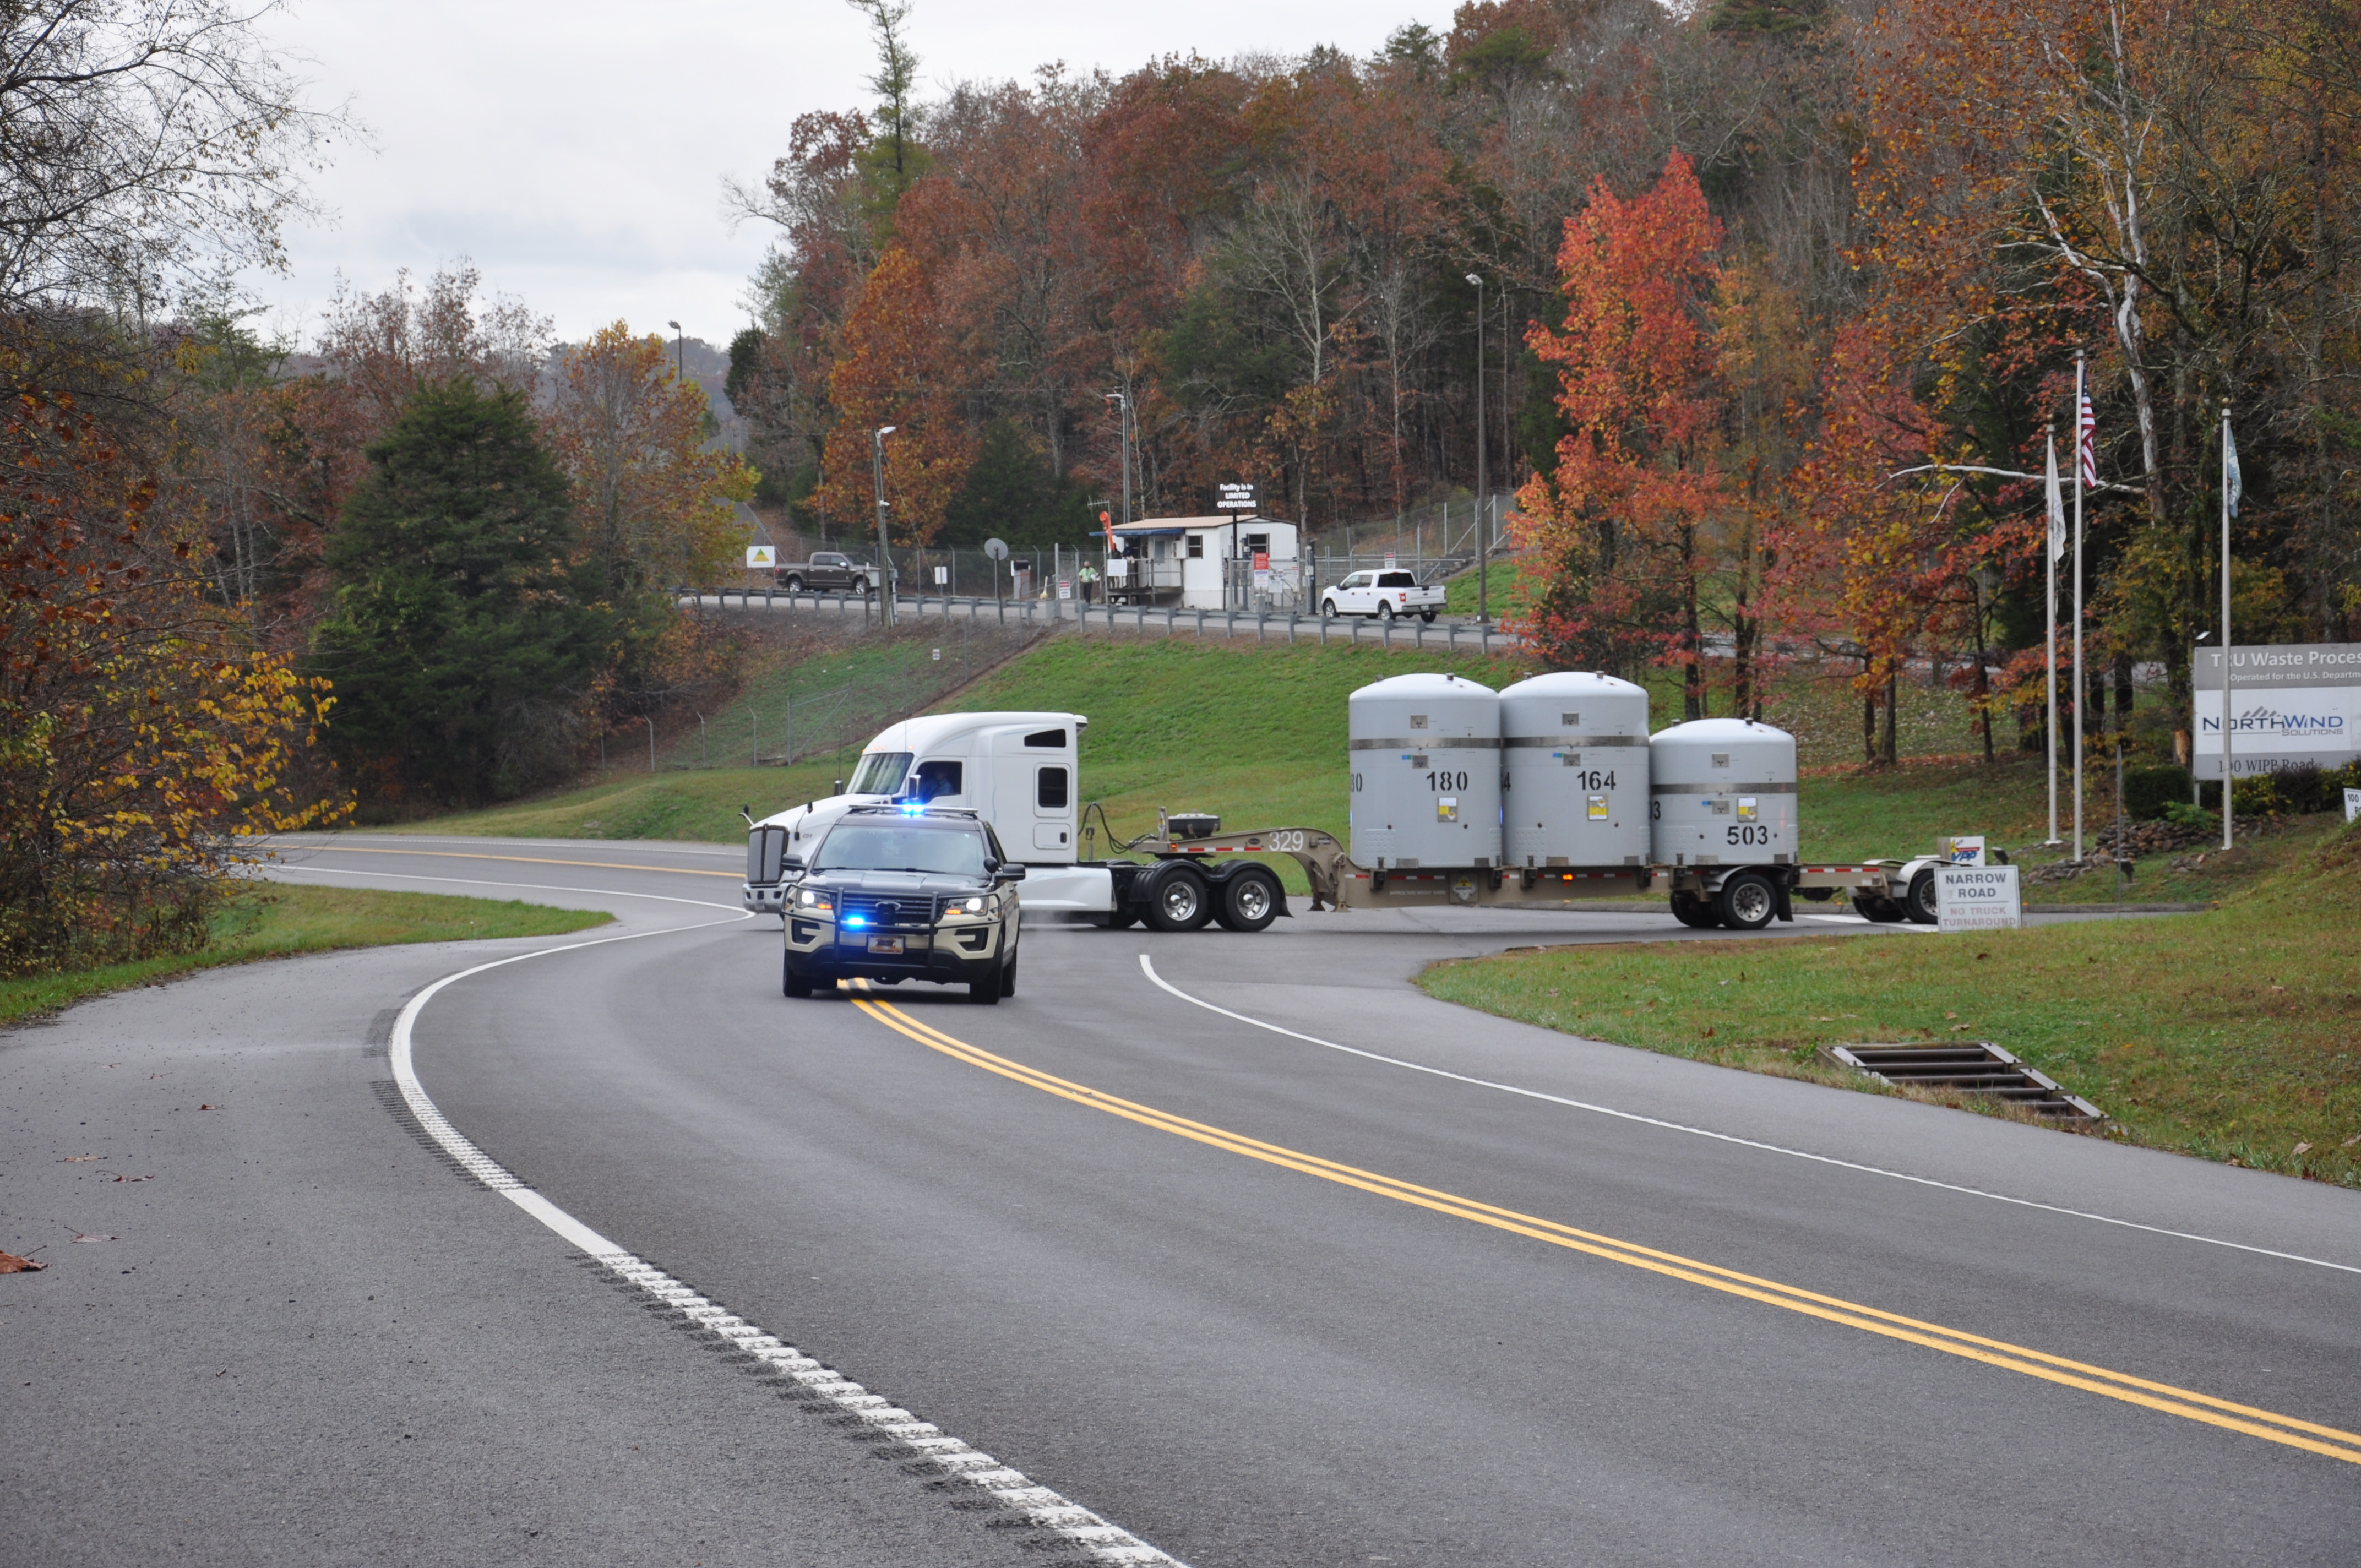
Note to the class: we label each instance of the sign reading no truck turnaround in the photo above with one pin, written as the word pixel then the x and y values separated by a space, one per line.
pixel 1977 898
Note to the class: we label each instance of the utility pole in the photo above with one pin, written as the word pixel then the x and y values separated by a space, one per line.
pixel 884 560
pixel 679 350
pixel 1483 477
pixel 1122 400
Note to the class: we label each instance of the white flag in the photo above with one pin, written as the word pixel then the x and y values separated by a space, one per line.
pixel 2056 507
pixel 2234 483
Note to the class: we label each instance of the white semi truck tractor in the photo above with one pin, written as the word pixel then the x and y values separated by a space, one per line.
pixel 1548 795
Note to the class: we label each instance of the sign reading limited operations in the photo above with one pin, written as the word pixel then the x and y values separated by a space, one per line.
pixel 2290 703
pixel 1237 495
pixel 1977 898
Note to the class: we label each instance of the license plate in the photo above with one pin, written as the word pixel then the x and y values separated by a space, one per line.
pixel 884 944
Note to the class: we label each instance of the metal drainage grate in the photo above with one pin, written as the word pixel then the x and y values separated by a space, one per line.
pixel 1972 1067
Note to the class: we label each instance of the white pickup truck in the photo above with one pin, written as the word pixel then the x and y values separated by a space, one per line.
pixel 1385 594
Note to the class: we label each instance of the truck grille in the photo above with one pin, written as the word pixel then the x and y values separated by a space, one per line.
pixel 889 911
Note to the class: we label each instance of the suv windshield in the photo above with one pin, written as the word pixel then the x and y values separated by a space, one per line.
pixel 901 847
pixel 879 772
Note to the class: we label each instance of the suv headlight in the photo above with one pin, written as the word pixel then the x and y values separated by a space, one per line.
pixel 980 906
pixel 813 902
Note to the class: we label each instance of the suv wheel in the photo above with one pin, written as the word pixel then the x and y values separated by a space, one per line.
pixel 792 983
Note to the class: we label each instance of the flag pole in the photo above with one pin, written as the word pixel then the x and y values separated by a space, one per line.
pixel 2226 661
pixel 2049 563
pixel 2080 436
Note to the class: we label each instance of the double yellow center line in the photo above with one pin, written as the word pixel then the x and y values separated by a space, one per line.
pixel 2186 1403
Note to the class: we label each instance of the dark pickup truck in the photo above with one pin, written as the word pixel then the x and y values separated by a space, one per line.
pixel 829 571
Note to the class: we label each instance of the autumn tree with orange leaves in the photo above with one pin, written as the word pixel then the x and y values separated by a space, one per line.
pixel 896 366
pixel 1643 521
pixel 146 743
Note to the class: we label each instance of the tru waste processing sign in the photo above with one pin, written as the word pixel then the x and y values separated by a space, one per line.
pixel 2289 705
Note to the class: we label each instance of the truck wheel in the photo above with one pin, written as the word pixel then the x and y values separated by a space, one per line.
pixel 1918 903
pixel 1328 608
pixel 1816 895
pixel 795 585
pixel 1178 899
pixel 1385 611
pixel 1249 901
pixel 1746 902
pixel 1691 910
pixel 1121 919
pixel 792 983
pixel 1875 907
pixel 1427 616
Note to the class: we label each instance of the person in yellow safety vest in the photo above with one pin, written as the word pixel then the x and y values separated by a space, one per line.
pixel 1089 578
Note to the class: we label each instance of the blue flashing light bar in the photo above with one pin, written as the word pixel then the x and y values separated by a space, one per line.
pixel 856 920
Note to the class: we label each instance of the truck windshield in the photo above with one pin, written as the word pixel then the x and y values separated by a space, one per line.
pixel 897 847
pixel 879 772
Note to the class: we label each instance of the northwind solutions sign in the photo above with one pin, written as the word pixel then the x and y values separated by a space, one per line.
pixel 2289 705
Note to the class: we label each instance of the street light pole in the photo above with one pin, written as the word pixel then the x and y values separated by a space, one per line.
pixel 1122 400
pixel 1483 478
pixel 679 350
pixel 884 560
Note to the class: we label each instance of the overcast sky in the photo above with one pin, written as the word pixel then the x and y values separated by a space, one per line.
pixel 576 151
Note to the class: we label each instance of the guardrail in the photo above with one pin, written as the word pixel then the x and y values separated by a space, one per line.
pixel 1169 620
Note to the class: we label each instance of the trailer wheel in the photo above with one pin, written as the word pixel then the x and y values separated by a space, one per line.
pixel 1746 902
pixel 1918 903
pixel 1177 899
pixel 1875 907
pixel 1248 901
pixel 1692 911
pixel 792 984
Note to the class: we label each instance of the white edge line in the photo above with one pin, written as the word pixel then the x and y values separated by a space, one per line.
pixel 1148 969
pixel 1013 1491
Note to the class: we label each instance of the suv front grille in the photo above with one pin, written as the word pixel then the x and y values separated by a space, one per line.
pixel 889 911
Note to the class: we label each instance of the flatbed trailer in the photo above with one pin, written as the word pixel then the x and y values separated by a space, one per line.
pixel 1338 884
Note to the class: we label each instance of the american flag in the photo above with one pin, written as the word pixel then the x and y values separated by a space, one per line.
pixel 2087 444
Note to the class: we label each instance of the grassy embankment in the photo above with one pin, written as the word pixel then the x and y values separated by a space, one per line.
pixel 2233 1035
pixel 1257 733
pixel 276 919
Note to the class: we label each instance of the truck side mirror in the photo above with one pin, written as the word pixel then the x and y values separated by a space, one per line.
pixel 790 865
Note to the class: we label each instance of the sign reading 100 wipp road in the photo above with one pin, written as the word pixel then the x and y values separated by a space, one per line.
pixel 2289 705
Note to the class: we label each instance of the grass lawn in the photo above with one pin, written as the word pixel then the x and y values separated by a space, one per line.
pixel 273 919
pixel 1257 733
pixel 2234 1035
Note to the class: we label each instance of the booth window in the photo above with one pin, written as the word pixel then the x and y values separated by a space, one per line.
pixel 1196 547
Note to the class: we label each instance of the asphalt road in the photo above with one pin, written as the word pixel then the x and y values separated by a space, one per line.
pixel 1253 1299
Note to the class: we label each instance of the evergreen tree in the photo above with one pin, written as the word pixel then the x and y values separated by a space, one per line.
pixel 465 644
